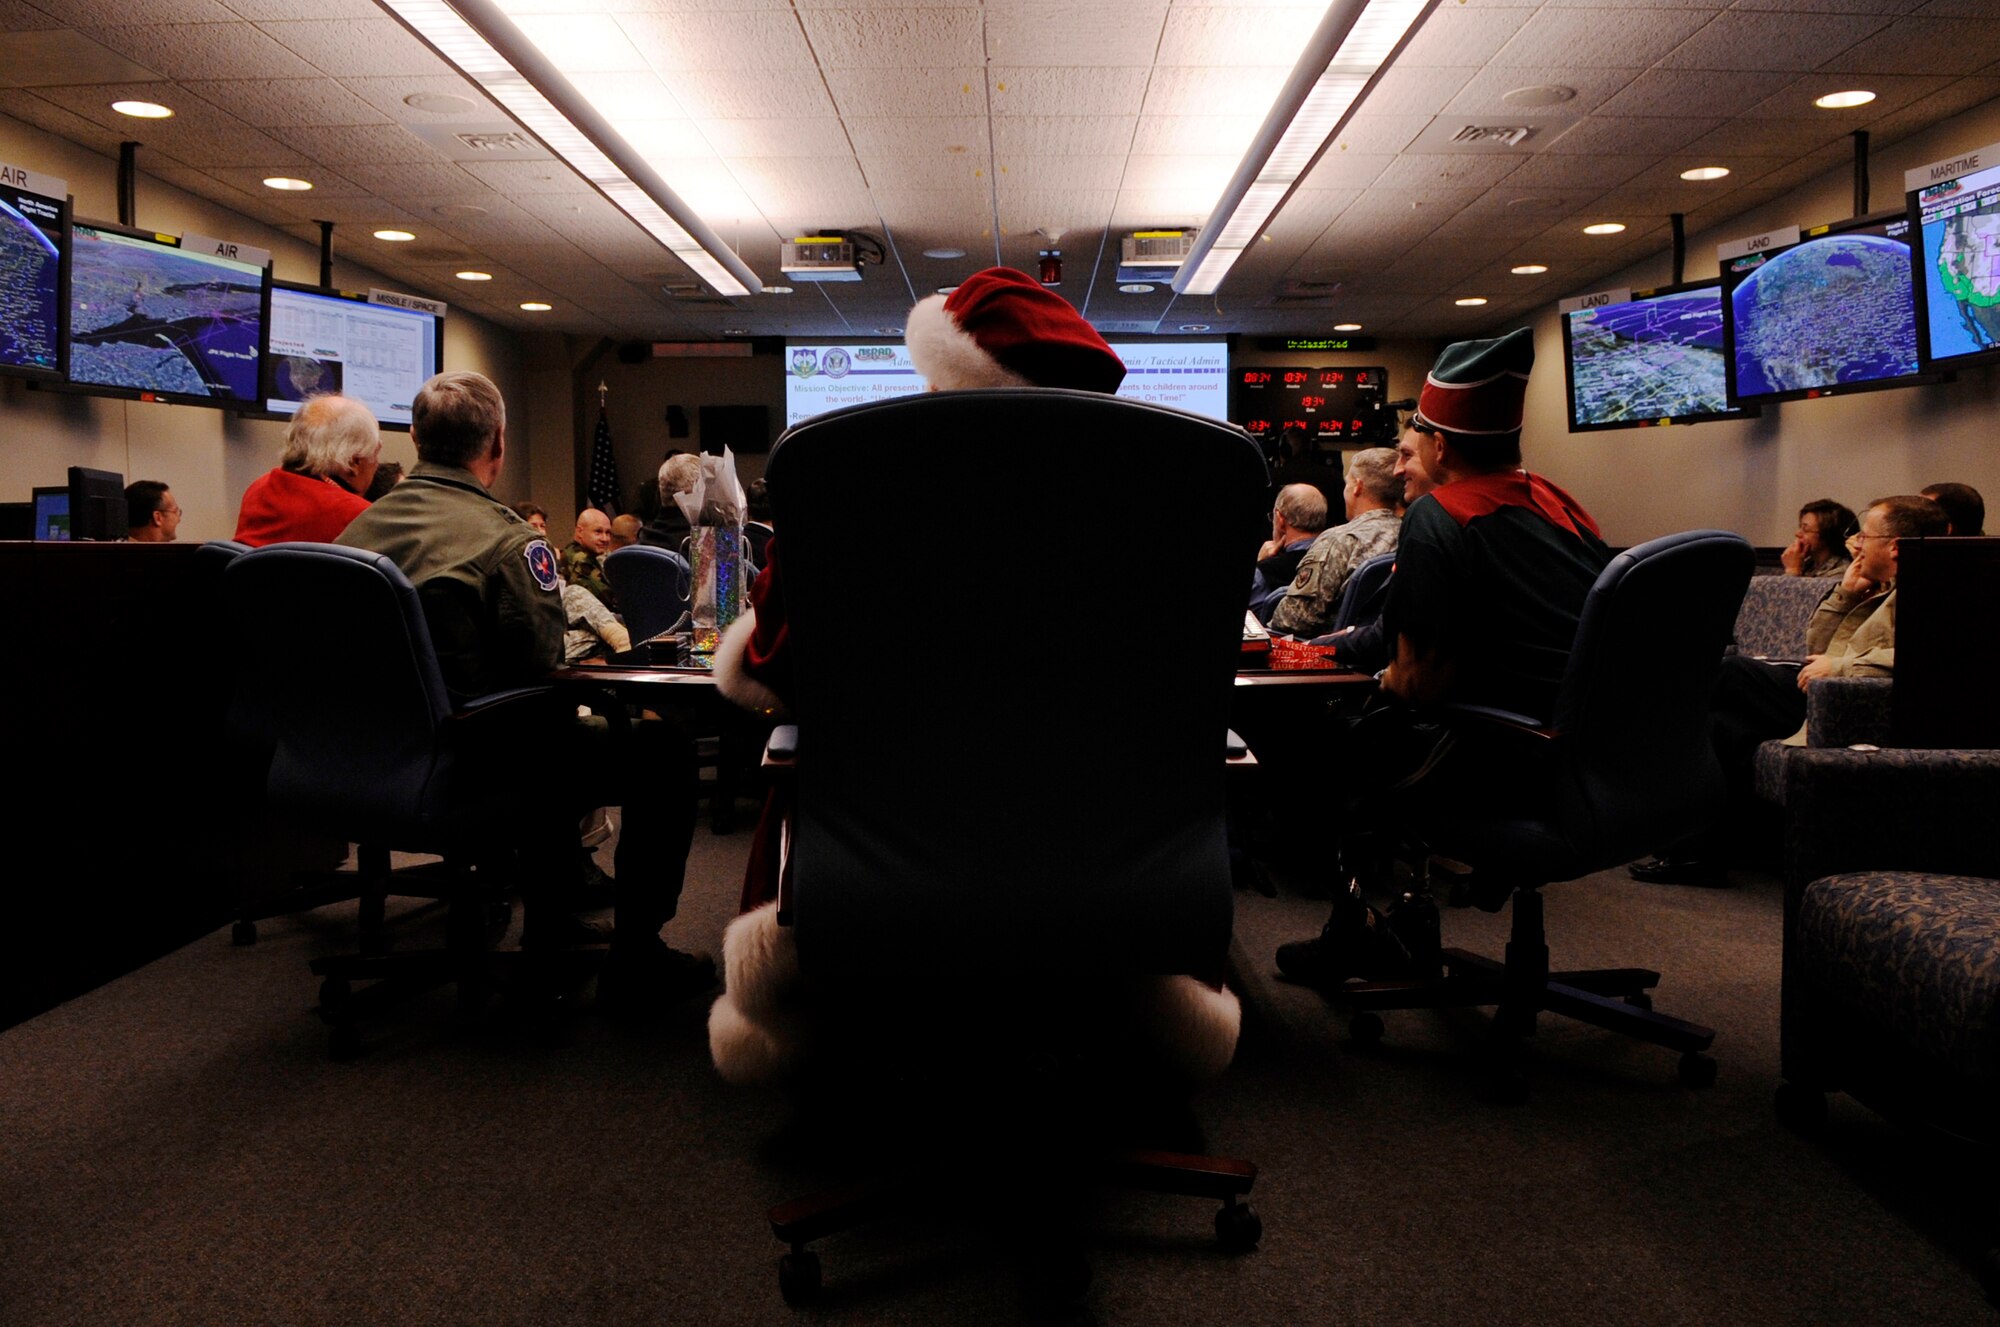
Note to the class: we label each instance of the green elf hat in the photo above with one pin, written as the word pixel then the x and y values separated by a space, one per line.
pixel 1479 386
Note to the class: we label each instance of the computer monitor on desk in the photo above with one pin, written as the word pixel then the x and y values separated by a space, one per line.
pixel 97 507
pixel 51 513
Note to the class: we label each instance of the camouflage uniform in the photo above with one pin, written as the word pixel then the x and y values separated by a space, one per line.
pixel 487 581
pixel 582 567
pixel 1307 607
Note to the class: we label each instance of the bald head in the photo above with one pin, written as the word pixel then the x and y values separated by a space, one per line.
pixel 1301 509
pixel 593 531
pixel 624 531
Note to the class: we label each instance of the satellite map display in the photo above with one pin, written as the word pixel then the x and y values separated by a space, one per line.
pixel 1961 239
pixel 30 290
pixel 1833 311
pixel 1647 359
pixel 153 318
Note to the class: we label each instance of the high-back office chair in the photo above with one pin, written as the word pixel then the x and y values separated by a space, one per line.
pixel 652 586
pixel 1364 583
pixel 990 800
pixel 365 745
pixel 1625 765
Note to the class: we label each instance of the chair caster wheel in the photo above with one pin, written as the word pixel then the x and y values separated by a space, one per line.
pixel 1365 1027
pixel 243 933
pixel 1801 1109
pixel 1238 1228
pixel 1697 1070
pixel 798 1277
pixel 343 1044
pixel 1640 1000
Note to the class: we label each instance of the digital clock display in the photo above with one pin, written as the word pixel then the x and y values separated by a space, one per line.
pixel 1257 426
pixel 1332 377
pixel 1330 428
pixel 1256 377
pixel 1312 402
pixel 1296 377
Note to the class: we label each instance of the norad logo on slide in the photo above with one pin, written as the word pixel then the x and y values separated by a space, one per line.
pixel 805 362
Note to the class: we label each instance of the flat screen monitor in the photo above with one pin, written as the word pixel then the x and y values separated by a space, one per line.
pixel 1957 258
pixel 34 230
pixel 1828 315
pixel 1656 358
pixel 163 323
pixel 1187 375
pixel 321 341
pixel 51 513
pixel 97 508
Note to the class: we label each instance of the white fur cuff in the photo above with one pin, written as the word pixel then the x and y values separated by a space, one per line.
pixel 946 356
pixel 1192 1025
pixel 733 680
pixel 752 1036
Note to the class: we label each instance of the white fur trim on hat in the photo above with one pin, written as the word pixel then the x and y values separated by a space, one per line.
pixel 946 357
pixel 754 1034
pixel 1193 1025
pixel 732 679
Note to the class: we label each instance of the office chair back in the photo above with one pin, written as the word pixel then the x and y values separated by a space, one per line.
pixel 652 587
pixel 1364 583
pixel 1636 768
pixel 357 717
pixel 988 775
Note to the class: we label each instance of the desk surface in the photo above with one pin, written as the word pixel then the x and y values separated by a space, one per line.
pixel 652 675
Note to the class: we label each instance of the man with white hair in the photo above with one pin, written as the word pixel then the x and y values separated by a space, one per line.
pixel 1373 497
pixel 332 450
pixel 669 527
pixel 1297 517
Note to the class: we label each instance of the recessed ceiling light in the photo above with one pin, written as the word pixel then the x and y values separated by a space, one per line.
pixel 1529 269
pixel 535 306
pixel 287 183
pixel 459 210
pixel 142 110
pixel 1194 327
pixel 473 276
pixel 1136 288
pixel 777 290
pixel 1470 302
pixel 395 236
pixel 1347 327
pixel 1604 228
pixel 440 102
pixel 1546 94
pixel 1705 173
pixel 1840 101
pixel 944 253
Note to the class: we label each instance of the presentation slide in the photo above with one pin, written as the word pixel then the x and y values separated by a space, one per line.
pixel 1961 265
pixel 30 285
pixel 376 354
pixel 150 317
pixel 1187 375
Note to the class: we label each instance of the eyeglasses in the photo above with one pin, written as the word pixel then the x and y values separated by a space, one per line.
pixel 1864 538
pixel 170 511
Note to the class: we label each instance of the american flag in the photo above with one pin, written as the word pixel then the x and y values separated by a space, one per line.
pixel 603 467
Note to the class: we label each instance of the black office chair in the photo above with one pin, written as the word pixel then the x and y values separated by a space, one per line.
pixel 652 587
pixel 988 798
pixel 365 745
pixel 1624 765
pixel 1364 583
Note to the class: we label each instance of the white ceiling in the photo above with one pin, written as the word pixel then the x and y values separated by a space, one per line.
pixel 935 124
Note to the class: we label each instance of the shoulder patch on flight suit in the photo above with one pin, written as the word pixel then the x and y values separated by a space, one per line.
pixel 542 562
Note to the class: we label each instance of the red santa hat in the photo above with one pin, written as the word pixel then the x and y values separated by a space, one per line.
pixel 1002 328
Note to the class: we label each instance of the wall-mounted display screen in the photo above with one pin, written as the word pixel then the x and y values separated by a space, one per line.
pixel 1654 359
pixel 33 227
pixel 149 317
pixel 1832 313
pixel 1957 258
pixel 376 353
pixel 1187 375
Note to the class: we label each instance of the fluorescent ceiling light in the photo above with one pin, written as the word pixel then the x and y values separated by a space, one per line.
pixel 487 47
pixel 142 110
pixel 1341 61
pixel 1840 101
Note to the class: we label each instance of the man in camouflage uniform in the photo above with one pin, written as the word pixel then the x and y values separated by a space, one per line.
pixel 583 559
pixel 492 600
pixel 1374 497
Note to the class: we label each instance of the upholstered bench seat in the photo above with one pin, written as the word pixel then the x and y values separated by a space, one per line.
pixel 1911 957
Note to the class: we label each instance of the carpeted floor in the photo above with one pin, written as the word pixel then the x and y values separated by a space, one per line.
pixel 176 1148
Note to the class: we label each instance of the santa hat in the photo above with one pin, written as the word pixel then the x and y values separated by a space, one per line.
pixel 1479 387
pixel 1001 328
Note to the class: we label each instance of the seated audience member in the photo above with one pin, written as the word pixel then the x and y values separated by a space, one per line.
pixel 624 531
pixel 151 514
pixel 1372 498
pixel 1820 546
pixel 387 476
pixel 1360 645
pixel 1297 517
pixel 1492 570
pixel 669 529
pixel 1963 507
pixel 594 631
pixel 492 600
pixel 583 558
pixel 534 514
pixel 757 518
pixel 1852 634
pixel 332 452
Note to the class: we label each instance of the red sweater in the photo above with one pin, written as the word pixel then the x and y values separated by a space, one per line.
pixel 283 508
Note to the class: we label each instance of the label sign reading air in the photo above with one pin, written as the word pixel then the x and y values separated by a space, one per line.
pixel 1965 163
pixel 1772 239
pixel 20 177
pixel 242 253
pixel 1602 299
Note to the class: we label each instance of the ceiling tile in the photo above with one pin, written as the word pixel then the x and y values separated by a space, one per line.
pixel 757 40
pixel 326 184
pixel 1745 41
pixel 1459 36
pixel 581 43
pixel 1191 91
pixel 1063 135
pixel 387 95
pixel 818 137
pixel 1341 169
pixel 1605 133
pixel 893 38
pixel 516 178
pixel 89 14
pixel 289 102
pixel 1670 92
pixel 719 94
pixel 56 56
pixel 342 145
pixel 1235 38
pixel 1636 38
pixel 1765 138
pixel 1379 134
pixel 16 16
pixel 1892 93
pixel 1428 171
pixel 1923 46
pixel 31 108
pixel 912 94
pixel 1206 135
pixel 1081 172
pixel 206 50
pixel 1948 101
pixel 1553 171
pixel 1037 33
pixel 938 172
pixel 1024 90
pixel 1416 91
pixel 260 11
pixel 916 137
pixel 1028 208
pixel 1484 91
pixel 362 48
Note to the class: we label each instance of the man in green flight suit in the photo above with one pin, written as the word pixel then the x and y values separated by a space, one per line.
pixel 492 599
pixel 583 557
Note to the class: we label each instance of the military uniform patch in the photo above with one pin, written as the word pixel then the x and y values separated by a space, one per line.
pixel 542 562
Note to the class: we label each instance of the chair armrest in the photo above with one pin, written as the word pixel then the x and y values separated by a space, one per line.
pixel 480 707
pixel 1486 714
pixel 1912 810
pixel 1843 711
pixel 781 749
